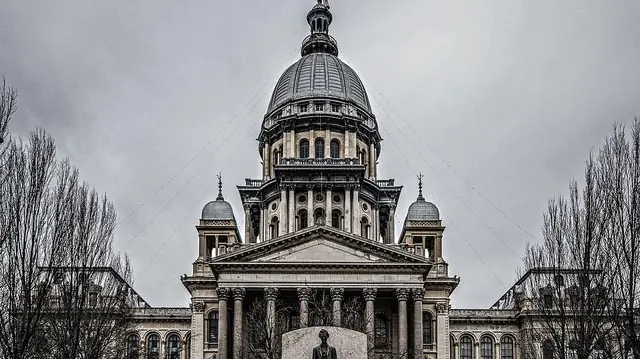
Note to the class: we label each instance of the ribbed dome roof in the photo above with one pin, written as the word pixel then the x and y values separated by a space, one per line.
pixel 421 210
pixel 319 75
pixel 218 210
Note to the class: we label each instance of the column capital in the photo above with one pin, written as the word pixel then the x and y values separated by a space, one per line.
pixel 198 307
pixel 369 293
pixel 337 294
pixel 304 293
pixel 283 187
pixel 442 308
pixel 239 293
pixel 417 294
pixel 402 294
pixel 271 293
pixel 223 293
pixel 310 187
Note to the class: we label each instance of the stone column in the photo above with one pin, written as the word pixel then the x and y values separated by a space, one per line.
pixel 271 294
pixel 238 297
pixel 327 141
pixel 442 330
pixel 372 161
pixel 304 294
pixel 337 294
pixel 369 295
pixel 418 295
pixel 267 161
pixel 347 209
pixel 310 205
pixel 346 144
pixel 392 225
pixel 292 210
pixel 355 210
pixel 312 144
pixel 283 211
pixel 292 143
pixel 376 223
pixel 264 236
pixel 476 349
pixel 197 329
pixel 247 225
pixel 328 205
pixel 223 346
pixel 402 294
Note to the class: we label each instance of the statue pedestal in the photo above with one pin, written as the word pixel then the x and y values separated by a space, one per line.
pixel 348 344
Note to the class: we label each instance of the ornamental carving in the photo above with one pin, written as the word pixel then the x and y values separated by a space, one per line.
pixel 216 223
pixel 402 294
pixel 304 293
pixel 270 293
pixel 442 308
pixel 223 293
pixel 369 294
pixel 239 293
pixel 337 294
pixel 198 307
pixel 418 294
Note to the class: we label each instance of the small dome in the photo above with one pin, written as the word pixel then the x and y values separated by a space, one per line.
pixel 218 210
pixel 421 210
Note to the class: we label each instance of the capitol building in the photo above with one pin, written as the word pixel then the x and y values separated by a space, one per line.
pixel 320 222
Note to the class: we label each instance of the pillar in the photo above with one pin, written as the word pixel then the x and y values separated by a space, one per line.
pixel 292 214
pixel 283 210
pixel 402 294
pixel 238 297
pixel 197 330
pixel 418 295
pixel 327 142
pixel 223 346
pixel 265 164
pixel 310 205
pixel 292 143
pixel 372 161
pixel 304 294
pixel 267 161
pixel 328 205
pixel 376 223
pixel 391 226
pixel 270 295
pixel 247 225
pixel 347 209
pixel 264 226
pixel 337 294
pixel 369 295
pixel 355 210
pixel 442 330
pixel 312 144
pixel 346 145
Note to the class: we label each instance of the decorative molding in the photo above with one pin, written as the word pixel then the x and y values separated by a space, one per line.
pixel 239 294
pixel 198 307
pixel 443 308
pixel 337 294
pixel 417 294
pixel 271 293
pixel 402 294
pixel 304 293
pixel 223 293
pixel 216 223
pixel 369 294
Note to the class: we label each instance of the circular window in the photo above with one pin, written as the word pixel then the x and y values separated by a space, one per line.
pixel 302 199
pixel 365 207
pixel 319 197
pixel 274 206
pixel 336 198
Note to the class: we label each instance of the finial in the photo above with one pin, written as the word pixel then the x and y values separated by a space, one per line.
pixel 420 176
pixel 220 198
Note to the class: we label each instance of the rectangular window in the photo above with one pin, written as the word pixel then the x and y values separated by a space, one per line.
pixel 335 107
pixel 303 108
pixel 319 107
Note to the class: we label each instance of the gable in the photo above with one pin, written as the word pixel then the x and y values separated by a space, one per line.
pixel 319 250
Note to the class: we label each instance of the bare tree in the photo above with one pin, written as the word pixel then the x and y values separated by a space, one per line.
pixel 265 333
pixel 8 106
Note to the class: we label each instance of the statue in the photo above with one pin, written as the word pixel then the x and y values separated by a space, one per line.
pixel 324 350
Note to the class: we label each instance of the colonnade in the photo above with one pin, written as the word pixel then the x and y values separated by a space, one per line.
pixel 237 295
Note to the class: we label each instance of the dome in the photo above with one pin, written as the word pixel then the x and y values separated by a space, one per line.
pixel 218 210
pixel 421 210
pixel 319 75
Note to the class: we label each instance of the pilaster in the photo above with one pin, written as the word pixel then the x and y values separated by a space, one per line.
pixel 442 330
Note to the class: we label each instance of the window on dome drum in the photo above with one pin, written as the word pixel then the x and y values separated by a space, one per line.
pixel 213 328
pixel 381 337
pixel 486 347
pixel 334 148
pixel 427 328
pixel 303 107
pixel 304 148
pixel 153 346
pixel 466 347
pixel 364 227
pixel 173 347
pixel 319 147
pixel 335 107
pixel 133 346
pixel 506 348
pixel 319 107
pixel 548 349
pixel 274 228
pixel 303 219
pixel 335 218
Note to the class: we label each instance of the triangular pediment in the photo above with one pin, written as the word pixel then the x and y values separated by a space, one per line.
pixel 321 244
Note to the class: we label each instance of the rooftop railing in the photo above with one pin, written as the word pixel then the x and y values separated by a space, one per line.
pixel 290 161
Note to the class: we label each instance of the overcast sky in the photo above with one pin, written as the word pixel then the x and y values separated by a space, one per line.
pixel 497 102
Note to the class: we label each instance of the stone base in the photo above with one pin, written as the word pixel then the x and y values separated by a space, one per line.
pixel 299 344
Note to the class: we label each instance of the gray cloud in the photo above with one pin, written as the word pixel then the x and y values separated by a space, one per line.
pixel 151 99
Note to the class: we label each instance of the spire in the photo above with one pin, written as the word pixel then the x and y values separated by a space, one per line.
pixel 420 176
pixel 220 198
pixel 319 19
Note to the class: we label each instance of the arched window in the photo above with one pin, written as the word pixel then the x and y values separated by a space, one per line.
pixel 466 347
pixel 153 346
pixel 506 348
pixel 547 349
pixel 304 148
pixel 133 346
pixel 274 228
pixel 213 327
pixel 335 218
pixel 319 148
pixel 318 216
pixel 427 328
pixel 173 347
pixel 486 347
pixel 364 227
pixel 380 328
pixel 303 219
pixel 334 148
